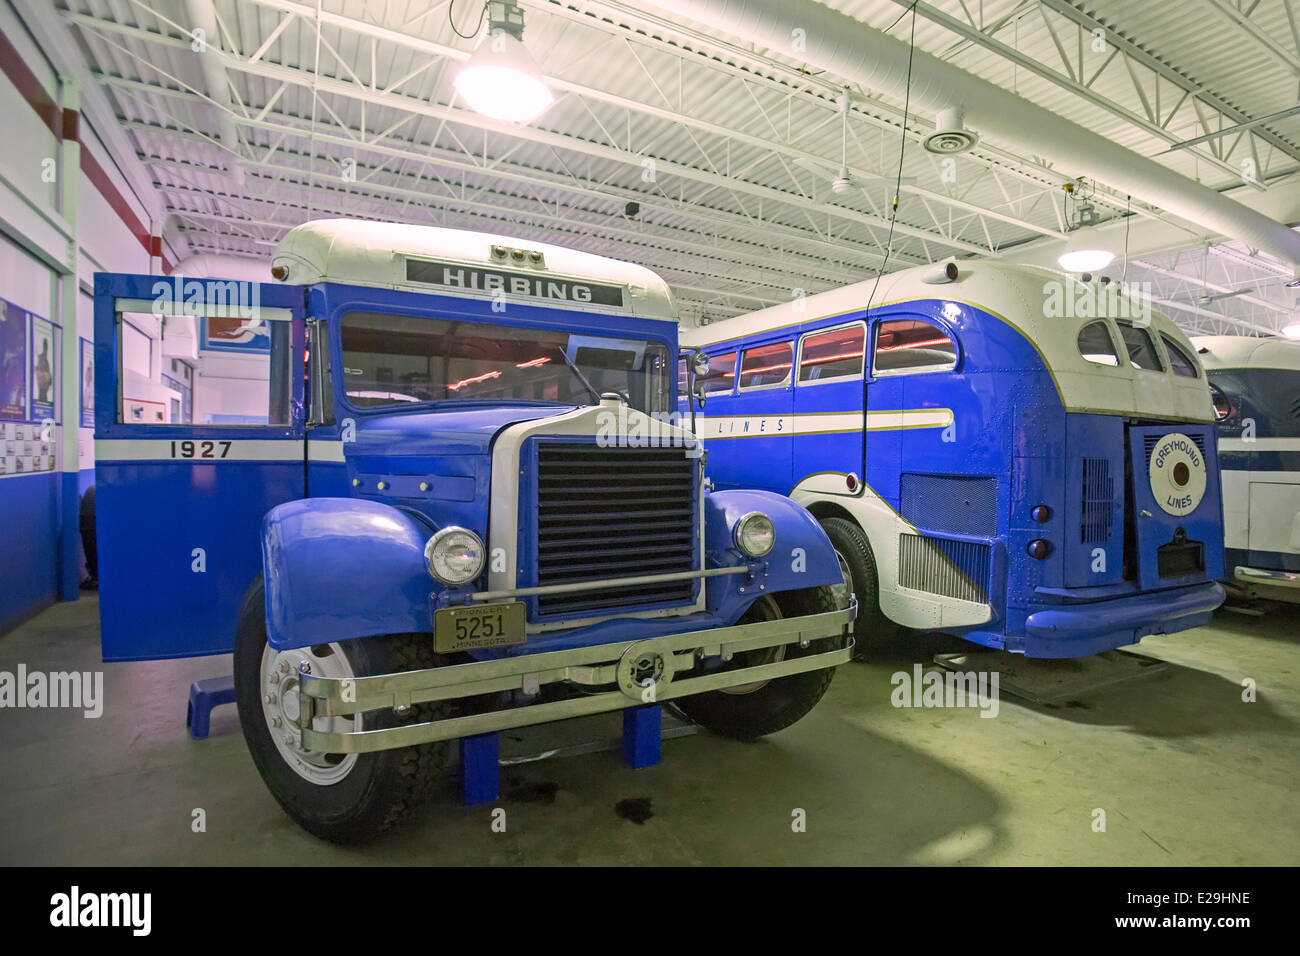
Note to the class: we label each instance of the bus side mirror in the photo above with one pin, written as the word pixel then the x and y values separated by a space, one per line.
pixel 698 394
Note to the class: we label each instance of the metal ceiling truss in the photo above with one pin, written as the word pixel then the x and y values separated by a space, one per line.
pixel 733 216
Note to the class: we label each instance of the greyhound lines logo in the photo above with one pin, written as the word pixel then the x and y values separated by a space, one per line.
pixel 1177 474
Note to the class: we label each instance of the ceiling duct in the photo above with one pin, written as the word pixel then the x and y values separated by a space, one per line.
pixel 825 39
pixel 203 16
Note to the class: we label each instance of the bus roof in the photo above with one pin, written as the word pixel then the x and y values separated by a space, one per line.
pixel 470 264
pixel 1018 295
pixel 1241 351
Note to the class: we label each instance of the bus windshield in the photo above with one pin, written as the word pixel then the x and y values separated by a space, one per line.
pixel 401 359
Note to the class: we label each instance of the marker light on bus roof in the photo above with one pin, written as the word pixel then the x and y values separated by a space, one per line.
pixel 1085 260
pixel 501 81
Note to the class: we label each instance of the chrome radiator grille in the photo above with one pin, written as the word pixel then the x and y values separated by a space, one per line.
pixel 611 513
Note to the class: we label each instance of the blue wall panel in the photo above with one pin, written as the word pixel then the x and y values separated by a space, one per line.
pixel 28 546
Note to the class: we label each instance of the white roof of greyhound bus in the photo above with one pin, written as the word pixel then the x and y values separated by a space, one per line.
pixel 365 252
pixel 1242 351
pixel 1015 293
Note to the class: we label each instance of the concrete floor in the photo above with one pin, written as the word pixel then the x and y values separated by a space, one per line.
pixel 1186 772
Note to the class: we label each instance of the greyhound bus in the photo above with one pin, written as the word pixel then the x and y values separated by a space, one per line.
pixel 1255 384
pixel 1018 457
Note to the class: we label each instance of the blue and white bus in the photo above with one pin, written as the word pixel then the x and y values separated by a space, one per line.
pixel 1021 458
pixel 1256 389
pixel 423 488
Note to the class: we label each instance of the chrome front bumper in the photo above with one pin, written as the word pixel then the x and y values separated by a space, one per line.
pixel 1276 579
pixel 642 672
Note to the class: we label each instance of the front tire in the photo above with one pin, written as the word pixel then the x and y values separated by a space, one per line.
pixel 343 798
pixel 854 554
pixel 750 711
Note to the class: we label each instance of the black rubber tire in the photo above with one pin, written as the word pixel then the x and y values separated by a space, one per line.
pixel 382 788
pixel 871 626
pixel 778 703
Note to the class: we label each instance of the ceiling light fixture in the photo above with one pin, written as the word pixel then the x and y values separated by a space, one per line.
pixel 1085 260
pixel 501 80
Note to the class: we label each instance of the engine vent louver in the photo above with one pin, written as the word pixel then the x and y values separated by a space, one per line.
pixel 956 569
pixel 1098 501
pixel 611 513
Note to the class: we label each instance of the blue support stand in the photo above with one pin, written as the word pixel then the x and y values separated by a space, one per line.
pixel 204 695
pixel 642 732
pixel 480 772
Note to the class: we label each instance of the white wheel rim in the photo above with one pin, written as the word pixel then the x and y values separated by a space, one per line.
pixel 279 691
pixel 771 611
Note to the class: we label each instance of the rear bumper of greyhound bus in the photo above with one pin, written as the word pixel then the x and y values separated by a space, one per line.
pixel 619 675
pixel 1075 630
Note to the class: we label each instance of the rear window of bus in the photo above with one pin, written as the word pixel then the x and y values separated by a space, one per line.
pixel 1141 350
pixel 912 345
pixel 1096 345
pixel 833 354
pixel 1179 360
pixel 766 366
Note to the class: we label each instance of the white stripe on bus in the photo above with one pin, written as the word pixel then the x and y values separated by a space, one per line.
pixel 213 450
pixel 819 423
pixel 1259 444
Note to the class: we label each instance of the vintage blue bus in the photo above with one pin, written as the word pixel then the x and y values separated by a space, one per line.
pixel 1256 390
pixel 424 486
pixel 1021 458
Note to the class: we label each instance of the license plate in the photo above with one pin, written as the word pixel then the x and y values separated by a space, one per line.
pixel 484 625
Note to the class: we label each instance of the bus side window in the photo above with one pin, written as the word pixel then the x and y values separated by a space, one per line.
pixel 1178 359
pixel 722 373
pixel 766 366
pixel 178 369
pixel 1141 350
pixel 912 345
pixel 1096 345
pixel 832 355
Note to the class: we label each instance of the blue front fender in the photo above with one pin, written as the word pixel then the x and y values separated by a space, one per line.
pixel 339 568
pixel 801 556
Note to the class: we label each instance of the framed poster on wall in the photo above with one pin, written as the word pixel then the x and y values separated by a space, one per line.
pixel 87 384
pixel 13 362
pixel 246 336
pixel 44 366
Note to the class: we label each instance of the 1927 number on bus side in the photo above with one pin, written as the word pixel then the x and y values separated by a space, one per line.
pixel 200 449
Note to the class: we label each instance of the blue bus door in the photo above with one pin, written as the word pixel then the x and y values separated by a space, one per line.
pixel 830 403
pixel 181 491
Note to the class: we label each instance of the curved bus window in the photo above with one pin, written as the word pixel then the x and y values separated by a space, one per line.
pixel 1141 350
pixel 766 366
pixel 832 355
pixel 1222 406
pixel 1096 345
pixel 912 345
pixel 722 373
pixel 1179 360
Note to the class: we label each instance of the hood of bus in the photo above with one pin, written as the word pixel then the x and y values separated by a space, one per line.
pixel 434 463
pixel 463 430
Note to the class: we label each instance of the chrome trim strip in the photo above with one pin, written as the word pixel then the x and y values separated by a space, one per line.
pixel 597 584
pixel 1280 579
pixel 617 663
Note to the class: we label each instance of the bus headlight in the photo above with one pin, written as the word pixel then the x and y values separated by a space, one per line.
pixel 454 555
pixel 754 534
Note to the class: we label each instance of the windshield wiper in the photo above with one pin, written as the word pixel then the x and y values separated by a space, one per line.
pixel 578 372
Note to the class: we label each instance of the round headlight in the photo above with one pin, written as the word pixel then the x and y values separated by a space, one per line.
pixel 454 555
pixel 754 534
